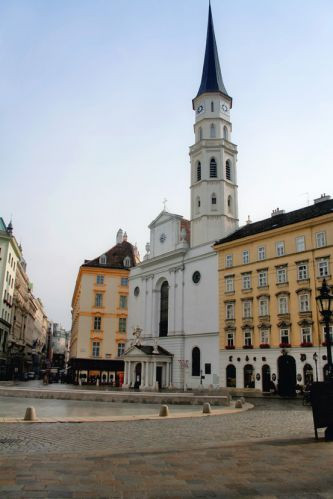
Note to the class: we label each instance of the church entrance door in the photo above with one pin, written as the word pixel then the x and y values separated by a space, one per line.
pixel 137 376
pixel 159 376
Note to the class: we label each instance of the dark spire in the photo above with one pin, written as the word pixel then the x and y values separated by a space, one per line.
pixel 211 80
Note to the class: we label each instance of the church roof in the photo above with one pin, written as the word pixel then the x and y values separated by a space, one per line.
pixel 211 80
pixel 281 220
pixel 114 257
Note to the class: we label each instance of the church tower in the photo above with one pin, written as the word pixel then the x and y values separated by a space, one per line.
pixel 214 201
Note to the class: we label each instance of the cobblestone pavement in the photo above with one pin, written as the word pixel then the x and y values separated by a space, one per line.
pixel 265 452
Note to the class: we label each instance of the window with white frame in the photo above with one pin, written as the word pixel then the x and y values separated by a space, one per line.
pixel 124 281
pixel 262 278
pixel 302 271
pixel 283 304
pixel 261 253
pixel 280 248
pixel 263 306
pixel 122 325
pixel 230 311
pixel 230 339
pixel 99 279
pixel 246 256
pixel 264 335
pixel 97 323
pixel 304 302
pixel 281 275
pixel 323 267
pixel 102 259
pixel 121 349
pixel 247 309
pixel 300 243
pixel 246 281
pixel 284 335
pixel 247 337
pixel 306 334
pixel 98 299
pixel 320 239
pixel 228 261
pixel 229 284
pixel 331 333
pixel 95 348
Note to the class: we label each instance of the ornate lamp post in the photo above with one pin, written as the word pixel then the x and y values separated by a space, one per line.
pixel 325 304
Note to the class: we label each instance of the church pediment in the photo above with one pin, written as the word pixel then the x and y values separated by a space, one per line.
pixel 164 217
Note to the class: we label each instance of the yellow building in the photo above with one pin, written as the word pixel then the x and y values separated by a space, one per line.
pixel 99 315
pixel 269 275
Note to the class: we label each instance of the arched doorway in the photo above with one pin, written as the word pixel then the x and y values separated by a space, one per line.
pixel 196 361
pixel 231 376
pixel 249 376
pixel 266 378
pixel 164 309
pixel 137 382
pixel 286 375
pixel 308 374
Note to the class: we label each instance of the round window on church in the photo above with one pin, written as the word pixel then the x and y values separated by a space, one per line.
pixel 136 291
pixel 196 277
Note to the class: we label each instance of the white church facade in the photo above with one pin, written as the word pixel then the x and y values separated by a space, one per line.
pixel 173 292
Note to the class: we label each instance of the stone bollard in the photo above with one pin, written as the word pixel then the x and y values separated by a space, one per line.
pixel 164 411
pixel 30 414
pixel 238 404
pixel 242 399
pixel 206 408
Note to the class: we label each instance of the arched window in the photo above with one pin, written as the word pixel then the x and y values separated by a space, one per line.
pixel 231 376
pixel 164 309
pixel 200 133
pixel 213 168
pixel 228 169
pixel 212 131
pixel 225 133
pixel 230 204
pixel 196 361
pixel 212 106
pixel 213 199
pixel 198 171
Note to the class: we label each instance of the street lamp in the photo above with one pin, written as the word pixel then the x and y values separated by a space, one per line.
pixel 325 303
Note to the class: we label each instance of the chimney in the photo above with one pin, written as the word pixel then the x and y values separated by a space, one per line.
pixel 277 211
pixel 248 221
pixel 323 197
pixel 119 238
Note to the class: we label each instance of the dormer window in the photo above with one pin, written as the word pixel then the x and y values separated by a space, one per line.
pixel 127 261
pixel 102 260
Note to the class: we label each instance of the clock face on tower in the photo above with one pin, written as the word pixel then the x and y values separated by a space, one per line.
pixel 200 109
pixel 224 108
pixel 162 238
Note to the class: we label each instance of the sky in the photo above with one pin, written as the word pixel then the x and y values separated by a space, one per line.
pixel 96 118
